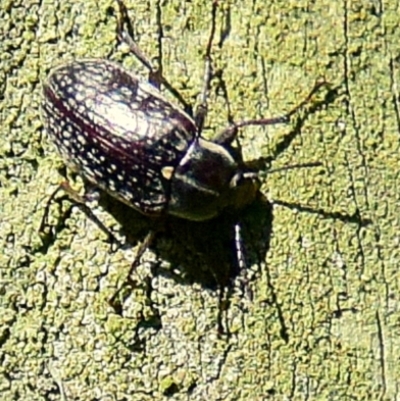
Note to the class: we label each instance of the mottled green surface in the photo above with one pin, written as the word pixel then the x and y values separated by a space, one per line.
pixel 336 284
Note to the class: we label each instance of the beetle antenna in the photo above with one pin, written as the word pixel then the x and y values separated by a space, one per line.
pixel 294 166
pixel 254 175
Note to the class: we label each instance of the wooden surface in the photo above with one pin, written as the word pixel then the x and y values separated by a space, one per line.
pixel 323 323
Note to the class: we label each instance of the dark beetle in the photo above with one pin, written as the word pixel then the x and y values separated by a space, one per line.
pixel 121 134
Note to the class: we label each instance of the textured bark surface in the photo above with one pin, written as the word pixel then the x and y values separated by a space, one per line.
pixel 324 319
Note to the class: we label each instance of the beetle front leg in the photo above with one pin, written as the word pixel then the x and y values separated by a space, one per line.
pixel 228 135
pixel 156 78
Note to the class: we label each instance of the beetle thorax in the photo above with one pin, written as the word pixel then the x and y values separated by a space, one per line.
pixel 207 180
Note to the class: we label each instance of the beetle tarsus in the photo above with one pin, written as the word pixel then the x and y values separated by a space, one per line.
pixel 201 111
pixel 156 78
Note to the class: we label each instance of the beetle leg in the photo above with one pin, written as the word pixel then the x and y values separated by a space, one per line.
pixel 201 110
pixel 225 291
pixel 223 87
pixel 229 134
pixel 125 34
pixel 79 201
pixel 114 301
pixel 240 255
pixel 56 378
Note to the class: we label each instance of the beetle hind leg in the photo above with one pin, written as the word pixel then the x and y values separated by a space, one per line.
pixel 156 78
pixel 77 201
pixel 201 110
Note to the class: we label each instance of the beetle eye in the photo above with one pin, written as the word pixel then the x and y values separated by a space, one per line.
pixel 235 180
pixel 240 177
pixel 251 176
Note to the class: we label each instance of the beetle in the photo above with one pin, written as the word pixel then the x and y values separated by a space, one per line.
pixel 120 133
pixel 126 138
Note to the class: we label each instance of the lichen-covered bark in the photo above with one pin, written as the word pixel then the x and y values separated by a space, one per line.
pixel 323 321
